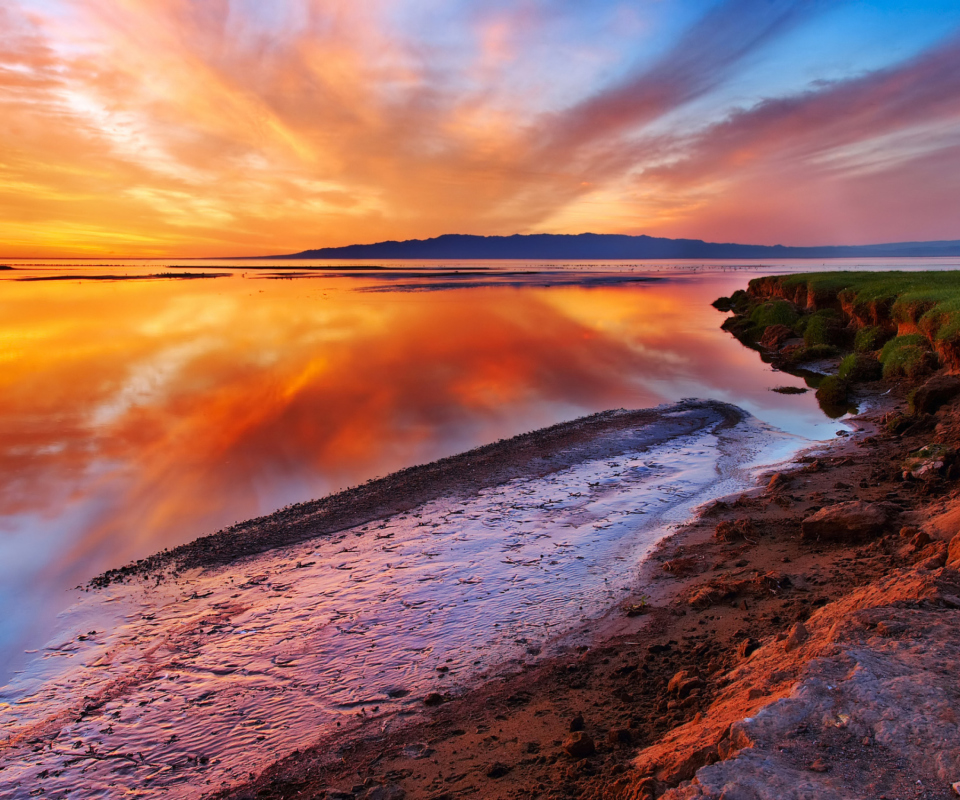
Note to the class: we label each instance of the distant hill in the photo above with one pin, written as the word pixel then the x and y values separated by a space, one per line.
pixel 606 246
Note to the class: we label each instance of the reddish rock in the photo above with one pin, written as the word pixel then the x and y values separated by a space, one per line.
pixel 683 683
pixel 579 745
pixel 496 769
pixel 953 552
pixel 797 636
pixel 845 522
pixel 774 336
pixel 937 391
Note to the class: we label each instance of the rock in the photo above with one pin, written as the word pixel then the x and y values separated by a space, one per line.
pixel 956 788
pixel 620 736
pixel 747 647
pixel 797 636
pixel 851 521
pixel 683 683
pixel 433 699
pixel 953 552
pixel 921 540
pixel 774 336
pixel 937 391
pixel 417 750
pixel 497 769
pixel 687 768
pixel 579 745
pixel 819 766
pixel 891 628
pixel 577 724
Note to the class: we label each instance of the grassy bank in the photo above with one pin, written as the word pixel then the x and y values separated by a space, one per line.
pixel 894 325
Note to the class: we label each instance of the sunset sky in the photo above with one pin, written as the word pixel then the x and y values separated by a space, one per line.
pixel 220 127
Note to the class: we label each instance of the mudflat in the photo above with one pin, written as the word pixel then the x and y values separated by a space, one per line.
pixel 762 658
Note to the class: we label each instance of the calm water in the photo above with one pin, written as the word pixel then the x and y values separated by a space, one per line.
pixel 137 415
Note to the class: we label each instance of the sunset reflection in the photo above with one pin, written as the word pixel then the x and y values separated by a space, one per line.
pixel 137 416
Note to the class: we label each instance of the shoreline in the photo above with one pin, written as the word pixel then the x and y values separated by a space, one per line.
pixel 527 455
pixel 547 494
pixel 742 618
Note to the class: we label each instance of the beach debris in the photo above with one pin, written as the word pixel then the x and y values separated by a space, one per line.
pixel 777 482
pixel 735 530
pixel 681 567
pixel 928 462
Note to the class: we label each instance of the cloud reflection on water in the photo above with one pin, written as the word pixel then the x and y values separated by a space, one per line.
pixel 138 416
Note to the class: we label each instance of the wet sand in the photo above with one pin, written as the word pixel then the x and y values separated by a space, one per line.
pixel 718 605
pixel 193 668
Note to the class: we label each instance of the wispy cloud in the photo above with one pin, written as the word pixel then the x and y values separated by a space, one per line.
pixel 180 126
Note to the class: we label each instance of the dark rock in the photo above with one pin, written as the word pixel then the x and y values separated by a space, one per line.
pixel 579 745
pixel 434 699
pixel 577 724
pixel 497 769
pixel 853 521
pixel 747 647
pixel 937 391
pixel 620 736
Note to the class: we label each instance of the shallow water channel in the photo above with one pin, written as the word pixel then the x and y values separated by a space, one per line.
pixel 189 684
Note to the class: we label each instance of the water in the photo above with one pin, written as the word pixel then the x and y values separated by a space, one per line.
pixel 192 684
pixel 137 415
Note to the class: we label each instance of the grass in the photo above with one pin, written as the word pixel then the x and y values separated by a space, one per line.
pixel 870 339
pixel 822 328
pixel 930 300
pixel 775 312
pixel 907 356
pixel 832 395
pixel 859 368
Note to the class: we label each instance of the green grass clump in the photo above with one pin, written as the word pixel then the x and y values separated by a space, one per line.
pixel 832 395
pixel 804 355
pixel 822 327
pixel 870 339
pixel 858 368
pixel 929 300
pixel 907 356
pixel 775 312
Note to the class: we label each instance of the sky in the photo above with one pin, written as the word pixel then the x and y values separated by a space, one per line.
pixel 236 127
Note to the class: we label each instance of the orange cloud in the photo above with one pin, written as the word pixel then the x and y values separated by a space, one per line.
pixel 174 127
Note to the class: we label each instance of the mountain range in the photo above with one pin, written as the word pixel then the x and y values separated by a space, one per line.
pixel 608 246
